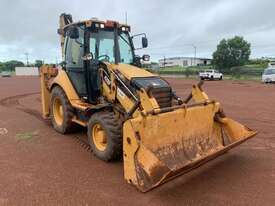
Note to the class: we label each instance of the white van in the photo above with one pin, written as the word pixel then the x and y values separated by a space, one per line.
pixel 269 74
pixel 210 74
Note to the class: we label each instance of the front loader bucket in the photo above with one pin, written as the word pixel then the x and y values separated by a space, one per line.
pixel 162 146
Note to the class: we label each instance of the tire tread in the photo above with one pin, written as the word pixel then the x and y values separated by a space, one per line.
pixel 67 126
pixel 113 128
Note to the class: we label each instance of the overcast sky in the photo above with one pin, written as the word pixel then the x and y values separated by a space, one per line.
pixel 172 27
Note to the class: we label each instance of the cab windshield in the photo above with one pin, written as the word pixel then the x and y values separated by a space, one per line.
pixel 102 46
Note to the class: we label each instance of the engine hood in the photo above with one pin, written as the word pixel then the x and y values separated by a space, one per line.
pixel 130 71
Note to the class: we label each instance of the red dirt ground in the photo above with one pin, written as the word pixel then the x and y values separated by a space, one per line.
pixel 47 168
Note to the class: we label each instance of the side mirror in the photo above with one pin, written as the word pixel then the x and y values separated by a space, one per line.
pixel 144 42
pixel 72 32
pixel 63 64
pixel 146 57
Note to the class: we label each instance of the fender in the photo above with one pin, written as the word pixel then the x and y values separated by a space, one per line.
pixel 49 78
pixel 65 83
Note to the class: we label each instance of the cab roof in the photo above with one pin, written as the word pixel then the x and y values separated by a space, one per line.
pixel 97 23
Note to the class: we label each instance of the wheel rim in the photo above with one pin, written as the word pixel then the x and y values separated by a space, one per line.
pixel 58 111
pixel 99 137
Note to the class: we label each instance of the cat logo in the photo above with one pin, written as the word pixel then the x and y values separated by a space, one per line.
pixel 107 80
pixel 120 93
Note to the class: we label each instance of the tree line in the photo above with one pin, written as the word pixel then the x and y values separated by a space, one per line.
pixel 233 53
pixel 10 65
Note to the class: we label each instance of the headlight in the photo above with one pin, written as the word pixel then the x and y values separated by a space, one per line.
pixel 124 28
pixel 98 25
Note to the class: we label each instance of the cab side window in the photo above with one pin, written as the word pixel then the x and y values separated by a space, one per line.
pixel 75 50
pixel 74 62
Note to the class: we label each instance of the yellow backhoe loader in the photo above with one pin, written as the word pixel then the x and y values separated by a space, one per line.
pixel 129 112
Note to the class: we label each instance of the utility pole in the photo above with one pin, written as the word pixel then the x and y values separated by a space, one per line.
pixel 27 58
pixel 195 54
pixel 126 17
pixel 164 61
pixel 56 60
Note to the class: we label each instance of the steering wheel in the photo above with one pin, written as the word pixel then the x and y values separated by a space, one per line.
pixel 104 56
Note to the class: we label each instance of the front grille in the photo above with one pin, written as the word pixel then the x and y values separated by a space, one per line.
pixel 156 88
pixel 163 96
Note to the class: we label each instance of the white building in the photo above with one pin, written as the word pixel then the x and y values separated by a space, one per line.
pixel 272 62
pixel 184 62
pixel 26 71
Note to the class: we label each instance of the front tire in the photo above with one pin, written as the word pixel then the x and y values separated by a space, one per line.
pixel 268 81
pixel 61 111
pixel 105 136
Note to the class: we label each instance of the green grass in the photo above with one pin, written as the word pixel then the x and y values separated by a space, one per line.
pixel 243 77
pixel 182 69
pixel 247 72
pixel 25 135
pixel 255 66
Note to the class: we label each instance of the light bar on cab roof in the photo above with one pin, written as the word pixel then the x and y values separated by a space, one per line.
pixel 124 28
pixel 102 26
pixel 99 25
pixel 109 23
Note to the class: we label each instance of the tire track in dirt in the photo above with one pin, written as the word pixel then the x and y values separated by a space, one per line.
pixel 13 102
pixel 83 142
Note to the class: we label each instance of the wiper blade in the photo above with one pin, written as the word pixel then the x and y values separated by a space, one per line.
pixel 124 40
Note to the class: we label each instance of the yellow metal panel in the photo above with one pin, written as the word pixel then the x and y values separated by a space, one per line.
pixel 147 103
pixel 130 71
pixel 185 123
pixel 124 100
pixel 64 82
pixel 82 123
pixel 130 146
pixel 106 91
pixel 199 95
pixel 45 96
pixel 174 142
pixel 47 73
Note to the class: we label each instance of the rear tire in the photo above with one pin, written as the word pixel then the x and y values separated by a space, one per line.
pixel 61 111
pixel 105 136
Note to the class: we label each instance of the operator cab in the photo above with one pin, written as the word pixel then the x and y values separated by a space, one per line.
pixel 89 44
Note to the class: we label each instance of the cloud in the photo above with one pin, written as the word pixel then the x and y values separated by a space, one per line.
pixel 172 27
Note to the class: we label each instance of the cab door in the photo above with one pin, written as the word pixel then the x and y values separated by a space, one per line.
pixel 74 50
